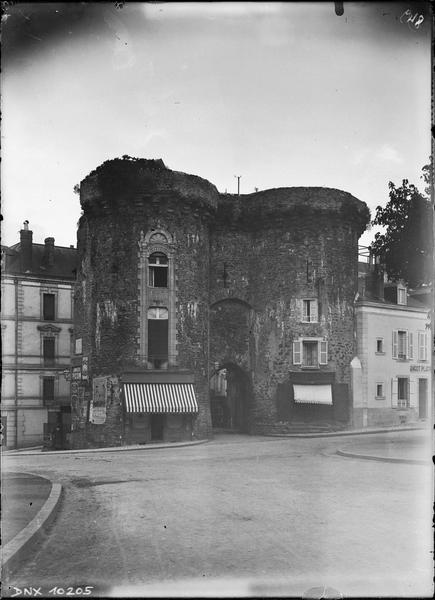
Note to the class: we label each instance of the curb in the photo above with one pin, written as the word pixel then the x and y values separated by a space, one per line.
pixel 16 453
pixel 343 433
pixel 405 461
pixel 21 545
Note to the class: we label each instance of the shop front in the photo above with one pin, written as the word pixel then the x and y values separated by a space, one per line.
pixel 158 407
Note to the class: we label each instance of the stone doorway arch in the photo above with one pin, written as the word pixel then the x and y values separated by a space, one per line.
pixel 230 398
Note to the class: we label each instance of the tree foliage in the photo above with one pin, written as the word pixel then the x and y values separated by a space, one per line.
pixel 406 244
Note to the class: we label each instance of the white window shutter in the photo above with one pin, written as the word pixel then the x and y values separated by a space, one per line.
pixel 422 345
pixel 394 392
pixel 394 344
pixel 323 353
pixel 413 397
pixel 300 307
pixel 410 353
pixel 314 311
pixel 297 353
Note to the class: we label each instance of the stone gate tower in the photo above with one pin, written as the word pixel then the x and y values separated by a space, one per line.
pixel 196 309
pixel 142 304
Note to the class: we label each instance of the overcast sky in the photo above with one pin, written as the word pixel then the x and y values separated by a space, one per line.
pixel 283 94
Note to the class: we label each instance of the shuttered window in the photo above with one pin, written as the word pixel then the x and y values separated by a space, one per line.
pixel 422 345
pixel 310 352
pixel 403 344
pixel 48 346
pixel 48 390
pixel 323 353
pixel 297 353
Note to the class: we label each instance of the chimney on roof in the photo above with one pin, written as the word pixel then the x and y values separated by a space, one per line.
pixel 377 270
pixel 48 259
pixel 26 242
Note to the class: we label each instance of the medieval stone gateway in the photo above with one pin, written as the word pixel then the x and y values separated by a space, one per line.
pixel 184 295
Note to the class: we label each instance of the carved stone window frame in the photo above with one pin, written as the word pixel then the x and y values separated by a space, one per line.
pixel 46 332
pixel 156 240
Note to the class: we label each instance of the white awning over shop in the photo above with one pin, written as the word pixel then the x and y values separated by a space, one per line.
pixel 160 398
pixel 312 394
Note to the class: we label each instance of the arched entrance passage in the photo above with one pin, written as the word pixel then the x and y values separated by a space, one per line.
pixel 230 398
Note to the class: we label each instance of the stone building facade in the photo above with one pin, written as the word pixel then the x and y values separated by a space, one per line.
pixel 196 309
pixel 37 334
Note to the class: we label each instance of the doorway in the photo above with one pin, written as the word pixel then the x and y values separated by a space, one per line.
pixel 422 398
pixel 157 423
pixel 230 394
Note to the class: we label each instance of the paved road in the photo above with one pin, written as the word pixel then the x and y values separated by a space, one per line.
pixel 237 516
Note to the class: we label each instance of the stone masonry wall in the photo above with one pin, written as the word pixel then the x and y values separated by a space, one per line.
pixel 120 201
pixel 271 250
pixel 242 265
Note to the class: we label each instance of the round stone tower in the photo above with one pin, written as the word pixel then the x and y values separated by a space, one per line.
pixel 142 305
pixel 283 283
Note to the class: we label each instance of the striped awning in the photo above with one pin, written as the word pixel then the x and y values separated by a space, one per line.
pixel 160 398
pixel 312 394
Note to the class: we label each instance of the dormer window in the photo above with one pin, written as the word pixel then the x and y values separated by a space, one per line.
pixel 158 270
pixel 401 296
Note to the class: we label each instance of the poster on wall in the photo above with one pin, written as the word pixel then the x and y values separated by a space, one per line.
pixel 97 412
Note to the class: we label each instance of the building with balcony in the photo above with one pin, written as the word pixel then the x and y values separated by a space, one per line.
pixel 37 333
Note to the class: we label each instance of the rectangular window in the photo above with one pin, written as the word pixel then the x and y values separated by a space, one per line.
pixel 310 311
pixel 48 303
pixel 402 392
pixel 158 270
pixel 158 337
pixel 422 345
pixel 403 344
pixel 48 351
pixel 310 353
pixel 380 390
pixel 401 296
pixel 380 346
pixel 48 390
pixel 401 336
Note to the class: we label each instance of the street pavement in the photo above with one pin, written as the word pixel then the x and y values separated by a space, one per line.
pixel 238 516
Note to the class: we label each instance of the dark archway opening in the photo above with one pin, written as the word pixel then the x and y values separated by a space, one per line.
pixel 230 399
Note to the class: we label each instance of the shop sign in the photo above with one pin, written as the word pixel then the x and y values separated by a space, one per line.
pixel 85 363
pixel 97 412
pixel 74 396
pixel 78 348
pixel 76 373
pixel 419 368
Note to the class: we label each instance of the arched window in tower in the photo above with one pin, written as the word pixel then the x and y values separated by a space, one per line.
pixel 158 337
pixel 158 270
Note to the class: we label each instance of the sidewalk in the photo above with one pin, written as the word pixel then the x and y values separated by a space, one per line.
pixel 150 446
pixel 29 505
pixel 408 451
pixel 23 495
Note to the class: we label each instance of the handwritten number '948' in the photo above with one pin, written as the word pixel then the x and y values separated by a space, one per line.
pixel 409 18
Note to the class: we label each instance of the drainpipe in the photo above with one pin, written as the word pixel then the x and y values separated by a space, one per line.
pixel 16 363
